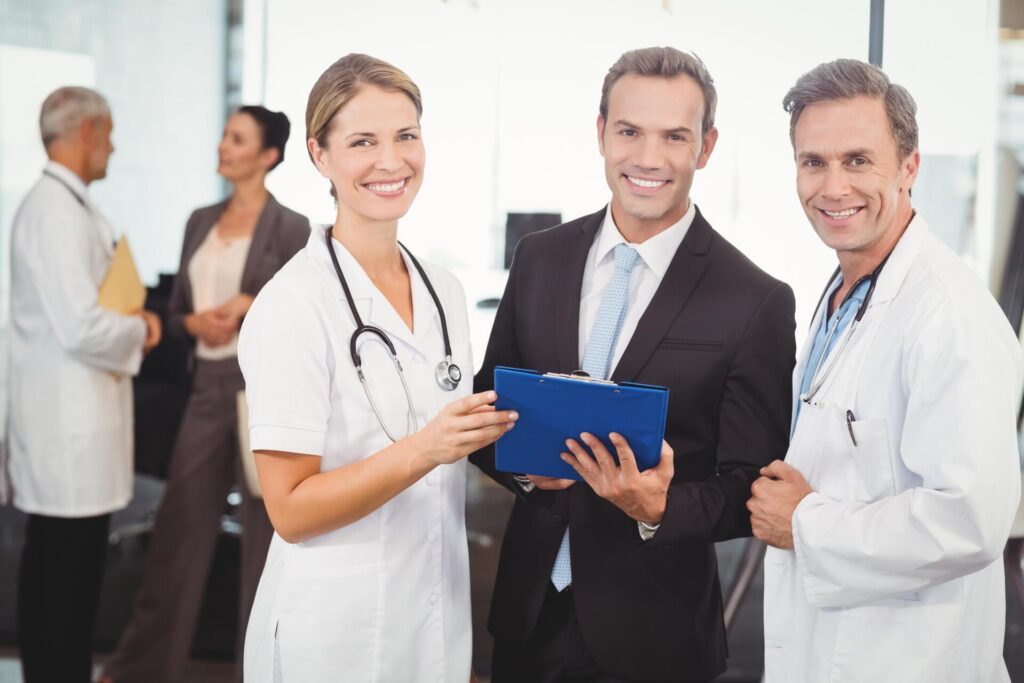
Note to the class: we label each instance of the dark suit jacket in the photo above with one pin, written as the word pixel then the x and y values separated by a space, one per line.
pixel 719 333
pixel 279 233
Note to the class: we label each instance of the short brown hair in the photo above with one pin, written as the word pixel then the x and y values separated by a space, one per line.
pixel 845 79
pixel 341 82
pixel 663 62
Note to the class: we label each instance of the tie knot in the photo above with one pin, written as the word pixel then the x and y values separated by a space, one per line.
pixel 625 257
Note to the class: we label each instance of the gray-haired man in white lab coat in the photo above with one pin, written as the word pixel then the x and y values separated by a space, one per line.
pixel 70 433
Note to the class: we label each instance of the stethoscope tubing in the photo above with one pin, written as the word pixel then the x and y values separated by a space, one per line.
pixel 362 328
pixel 836 357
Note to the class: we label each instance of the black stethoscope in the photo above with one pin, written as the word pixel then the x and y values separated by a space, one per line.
pixel 447 373
pixel 836 356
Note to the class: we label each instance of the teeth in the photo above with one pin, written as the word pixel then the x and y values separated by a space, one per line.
pixel 386 187
pixel 840 214
pixel 640 182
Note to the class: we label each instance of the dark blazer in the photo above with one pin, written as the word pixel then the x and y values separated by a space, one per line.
pixel 719 333
pixel 279 233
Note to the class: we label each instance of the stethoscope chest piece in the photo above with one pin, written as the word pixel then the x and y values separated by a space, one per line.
pixel 448 375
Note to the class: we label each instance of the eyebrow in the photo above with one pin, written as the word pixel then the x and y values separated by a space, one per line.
pixel 373 135
pixel 627 124
pixel 860 152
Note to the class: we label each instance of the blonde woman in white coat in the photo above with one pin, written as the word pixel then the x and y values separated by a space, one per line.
pixel 367 578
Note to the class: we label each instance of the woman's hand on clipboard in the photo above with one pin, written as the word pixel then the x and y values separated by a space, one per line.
pixel 462 427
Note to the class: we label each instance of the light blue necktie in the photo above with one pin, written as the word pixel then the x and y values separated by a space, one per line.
pixel 596 359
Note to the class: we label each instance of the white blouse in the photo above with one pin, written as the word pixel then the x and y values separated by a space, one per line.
pixel 215 273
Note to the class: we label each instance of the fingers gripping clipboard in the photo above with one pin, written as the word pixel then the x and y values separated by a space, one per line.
pixel 554 407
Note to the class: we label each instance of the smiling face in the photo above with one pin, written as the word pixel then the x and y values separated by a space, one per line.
pixel 374 155
pixel 652 146
pixel 852 183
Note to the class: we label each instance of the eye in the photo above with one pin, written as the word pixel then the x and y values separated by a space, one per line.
pixel 628 132
pixel 813 163
pixel 406 137
pixel 858 161
pixel 362 142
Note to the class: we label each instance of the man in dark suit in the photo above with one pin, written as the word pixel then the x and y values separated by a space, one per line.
pixel 615 578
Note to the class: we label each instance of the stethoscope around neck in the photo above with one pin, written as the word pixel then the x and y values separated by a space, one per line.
pixel 820 376
pixel 446 373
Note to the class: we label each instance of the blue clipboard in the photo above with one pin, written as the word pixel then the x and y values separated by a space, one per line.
pixel 554 407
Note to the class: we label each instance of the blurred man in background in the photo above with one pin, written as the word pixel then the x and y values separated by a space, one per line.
pixel 70 435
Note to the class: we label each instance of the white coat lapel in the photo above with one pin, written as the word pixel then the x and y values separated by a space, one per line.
pixel 424 310
pixel 373 306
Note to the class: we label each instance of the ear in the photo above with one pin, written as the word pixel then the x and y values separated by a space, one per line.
pixel 88 130
pixel 909 168
pixel 318 154
pixel 707 145
pixel 269 157
pixel 600 134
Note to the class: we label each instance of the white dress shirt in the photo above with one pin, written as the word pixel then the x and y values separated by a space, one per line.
pixel 655 256
pixel 70 437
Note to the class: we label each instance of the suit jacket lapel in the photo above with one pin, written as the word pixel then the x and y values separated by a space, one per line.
pixel 681 279
pixel 260 241
pixel 570 283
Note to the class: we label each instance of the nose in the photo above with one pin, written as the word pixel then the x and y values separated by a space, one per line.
pixel 388 159
pixel 836 183
pixel 649 154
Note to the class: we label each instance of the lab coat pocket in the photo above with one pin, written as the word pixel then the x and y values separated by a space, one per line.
pixel 872 457
pixel 909 641
pixel 330 620
pixel 778 582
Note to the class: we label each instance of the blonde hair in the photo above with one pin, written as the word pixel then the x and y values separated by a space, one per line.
pixel 341 82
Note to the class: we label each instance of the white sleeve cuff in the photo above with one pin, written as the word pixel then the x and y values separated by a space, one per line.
pixel 287 439
pixel 524 483
pixel 647 531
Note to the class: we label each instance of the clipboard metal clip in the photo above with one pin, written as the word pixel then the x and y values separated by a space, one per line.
pixel 579 375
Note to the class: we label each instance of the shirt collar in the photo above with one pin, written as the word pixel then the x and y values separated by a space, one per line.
pixel 69 177
pixel 656 253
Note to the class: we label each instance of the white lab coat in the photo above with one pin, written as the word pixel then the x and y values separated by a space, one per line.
pixel 70 436
pixel 894 575
pixel 384 599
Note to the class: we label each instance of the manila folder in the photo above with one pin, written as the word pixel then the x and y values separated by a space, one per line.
pixel 122 290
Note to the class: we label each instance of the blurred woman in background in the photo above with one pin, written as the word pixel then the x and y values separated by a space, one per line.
pixel 230 250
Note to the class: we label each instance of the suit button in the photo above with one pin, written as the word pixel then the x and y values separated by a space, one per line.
pixel 557 521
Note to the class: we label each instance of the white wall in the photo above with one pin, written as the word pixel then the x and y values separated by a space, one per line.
pixel 161 66
pixel 511 92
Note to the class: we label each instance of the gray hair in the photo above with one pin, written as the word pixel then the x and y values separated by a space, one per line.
pixel 66 108
pixel 845 79
pixel 663 62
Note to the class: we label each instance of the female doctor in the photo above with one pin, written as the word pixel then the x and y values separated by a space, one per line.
pixel 353 357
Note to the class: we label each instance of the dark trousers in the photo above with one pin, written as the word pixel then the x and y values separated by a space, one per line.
pixel 555 652
pixel 205 464
pixel 58 595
